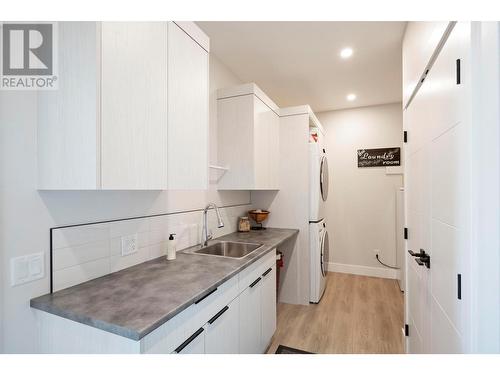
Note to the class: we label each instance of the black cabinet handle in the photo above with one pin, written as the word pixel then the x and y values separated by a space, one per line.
pixel 205 296
pixel 255 282
pixel 269 270
pixel 189 340
pixel 217 316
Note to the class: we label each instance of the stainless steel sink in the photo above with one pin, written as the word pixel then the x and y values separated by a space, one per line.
pixel 229 249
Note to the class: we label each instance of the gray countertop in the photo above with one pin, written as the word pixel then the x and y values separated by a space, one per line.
pixel 137 300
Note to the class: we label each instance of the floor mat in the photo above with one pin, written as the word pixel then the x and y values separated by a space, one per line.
pixel 287 350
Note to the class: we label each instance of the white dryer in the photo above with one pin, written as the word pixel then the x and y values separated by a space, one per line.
pixel 319 245
pixel 318 183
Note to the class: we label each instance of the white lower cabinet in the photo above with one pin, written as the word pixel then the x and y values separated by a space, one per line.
pixel 251 318
pixel 244 325
pixel 268 307
pixel 238 316
pixel 222 334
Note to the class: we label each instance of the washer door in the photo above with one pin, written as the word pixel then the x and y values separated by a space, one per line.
pixel 324 253
pixel 323 178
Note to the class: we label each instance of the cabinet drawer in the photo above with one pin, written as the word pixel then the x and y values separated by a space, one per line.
pixel 249 275
pixel 207 306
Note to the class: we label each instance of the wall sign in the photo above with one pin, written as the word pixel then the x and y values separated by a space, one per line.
pixel 379 157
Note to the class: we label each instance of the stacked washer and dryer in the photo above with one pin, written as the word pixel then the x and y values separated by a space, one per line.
pixel 318 234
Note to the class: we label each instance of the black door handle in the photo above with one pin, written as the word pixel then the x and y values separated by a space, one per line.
pixel 422 258
pixel 269 270
pixel 255 282
pixel 217 316
pixel 419 254
pixel 205 296
pixel 189 340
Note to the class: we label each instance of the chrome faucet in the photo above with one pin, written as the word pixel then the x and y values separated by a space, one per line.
pixel 205 235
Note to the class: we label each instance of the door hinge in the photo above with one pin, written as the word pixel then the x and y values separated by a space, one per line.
pixel 405 136
pixel 459 286
pixel 405 233
pixel 424 76
pixel 459 78
pixel 407 330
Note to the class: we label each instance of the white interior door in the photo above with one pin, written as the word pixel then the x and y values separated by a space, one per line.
pixel 437 179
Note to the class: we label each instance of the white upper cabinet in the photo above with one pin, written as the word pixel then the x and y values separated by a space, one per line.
pixel 131 111
pixel 248 139
pixel 187 111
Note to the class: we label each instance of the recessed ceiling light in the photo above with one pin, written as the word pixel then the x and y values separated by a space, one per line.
pixel 351 97
pixel 346 53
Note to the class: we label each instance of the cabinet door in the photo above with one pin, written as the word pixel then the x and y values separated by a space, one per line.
pixel 134 105
pixel 261 152
pixel 268 300
pixel 187 111
pixel 67 130
pixel 274 151
pixel 266 146
pixel 222 330
pixel 235 146
pixel 251 319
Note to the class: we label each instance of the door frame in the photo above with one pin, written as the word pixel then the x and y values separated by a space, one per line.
pixel 485 188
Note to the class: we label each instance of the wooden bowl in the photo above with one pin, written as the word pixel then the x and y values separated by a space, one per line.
pixel 258 216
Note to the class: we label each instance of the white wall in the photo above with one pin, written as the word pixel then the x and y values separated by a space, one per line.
pixel 361 206
pixel 27 214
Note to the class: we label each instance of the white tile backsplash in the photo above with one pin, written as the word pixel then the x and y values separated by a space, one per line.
pixel 80 273
pixel 127 227
pixel 118 262
pixel 84 252
pixel 79 235
pixel 72 256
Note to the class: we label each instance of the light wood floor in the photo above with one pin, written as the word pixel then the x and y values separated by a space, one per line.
pixel 357 314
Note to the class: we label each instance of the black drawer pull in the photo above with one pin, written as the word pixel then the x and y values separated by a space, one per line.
pixel 255 282
pixel 189 340
pixel 205 296
pixel 217 316
pixel 269 270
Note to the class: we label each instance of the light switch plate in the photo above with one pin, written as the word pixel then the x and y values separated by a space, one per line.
pixel 27 268
pixel 129 244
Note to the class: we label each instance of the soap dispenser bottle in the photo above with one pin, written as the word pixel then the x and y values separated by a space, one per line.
pixel 171 247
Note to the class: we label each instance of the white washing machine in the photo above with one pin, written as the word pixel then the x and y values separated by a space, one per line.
pixel 319 247
pixel 318 184
pixel 318 236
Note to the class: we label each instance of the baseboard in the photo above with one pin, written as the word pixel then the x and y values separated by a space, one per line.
pixel 385 273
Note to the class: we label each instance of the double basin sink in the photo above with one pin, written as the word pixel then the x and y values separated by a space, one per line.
pixel 228 249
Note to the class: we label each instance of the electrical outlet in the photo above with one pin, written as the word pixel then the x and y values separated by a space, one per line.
pixel 376 252
pixel 129 244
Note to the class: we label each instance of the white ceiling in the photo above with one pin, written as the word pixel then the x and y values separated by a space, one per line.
pixel 298 63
